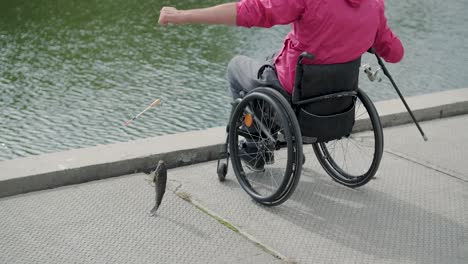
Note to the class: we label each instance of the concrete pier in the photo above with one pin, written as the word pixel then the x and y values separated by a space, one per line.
pixel 82 165
pixel 415 211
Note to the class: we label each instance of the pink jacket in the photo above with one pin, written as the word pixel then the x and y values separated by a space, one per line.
pixel 335 31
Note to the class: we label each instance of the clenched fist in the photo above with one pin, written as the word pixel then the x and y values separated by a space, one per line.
pixel 170 15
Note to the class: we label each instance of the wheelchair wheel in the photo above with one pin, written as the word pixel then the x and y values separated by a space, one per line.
pixel 265 146
pixel 354 160
pixel 298 158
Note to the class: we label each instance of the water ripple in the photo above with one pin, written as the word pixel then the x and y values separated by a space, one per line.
pixel 72 72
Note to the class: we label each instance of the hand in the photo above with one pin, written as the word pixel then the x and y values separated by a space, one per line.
pixel 170 15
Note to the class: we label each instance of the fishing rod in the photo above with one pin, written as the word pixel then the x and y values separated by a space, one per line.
pixel 153 104
pixel 387 73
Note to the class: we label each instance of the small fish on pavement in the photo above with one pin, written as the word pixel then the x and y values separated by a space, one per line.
pixel 160 180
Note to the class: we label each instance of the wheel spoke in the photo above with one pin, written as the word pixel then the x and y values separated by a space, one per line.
pixel 264 165
pixel 352 161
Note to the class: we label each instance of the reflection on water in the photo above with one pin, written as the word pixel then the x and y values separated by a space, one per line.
pixel 71 72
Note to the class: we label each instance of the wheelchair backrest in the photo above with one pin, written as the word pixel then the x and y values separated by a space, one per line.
pixel 324 97
pixel 320 80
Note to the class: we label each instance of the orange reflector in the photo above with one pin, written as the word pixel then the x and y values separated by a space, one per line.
pixel 248 120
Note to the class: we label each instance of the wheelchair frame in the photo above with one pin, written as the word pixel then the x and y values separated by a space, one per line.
pixel 294 142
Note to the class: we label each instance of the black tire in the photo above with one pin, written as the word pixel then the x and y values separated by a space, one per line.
pixel 222 171
pixel 263 185
pixel 334 159
pixel 297 143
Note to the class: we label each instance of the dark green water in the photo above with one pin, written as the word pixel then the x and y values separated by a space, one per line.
pixel 71 72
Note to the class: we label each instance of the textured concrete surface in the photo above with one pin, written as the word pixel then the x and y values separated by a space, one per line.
pixel 411 213
pixel 82 165
pixel 445 150
pixel 108 222
pixel 415 211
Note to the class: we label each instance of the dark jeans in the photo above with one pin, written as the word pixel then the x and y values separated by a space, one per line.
pixel 243 75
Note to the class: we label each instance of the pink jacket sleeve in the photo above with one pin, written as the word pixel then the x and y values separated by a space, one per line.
pixel 268 13
pixel 386 43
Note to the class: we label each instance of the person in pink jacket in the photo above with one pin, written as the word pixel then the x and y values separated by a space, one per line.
pixel 335 31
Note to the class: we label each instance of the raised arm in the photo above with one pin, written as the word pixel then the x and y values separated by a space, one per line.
pixel 245 13
pixel 224 14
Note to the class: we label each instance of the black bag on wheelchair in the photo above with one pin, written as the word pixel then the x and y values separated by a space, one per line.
pixel 326 99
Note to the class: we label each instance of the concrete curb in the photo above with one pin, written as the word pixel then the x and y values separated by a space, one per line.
pixel 100 162
pixel 81 165
pixel 425 107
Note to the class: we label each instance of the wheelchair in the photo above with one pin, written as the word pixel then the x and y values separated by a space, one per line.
pixel 267 131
